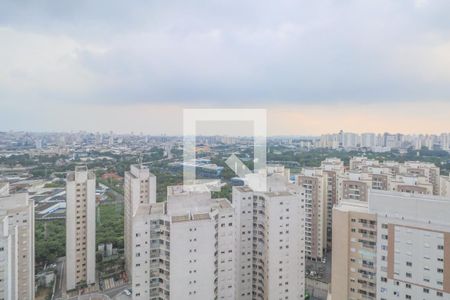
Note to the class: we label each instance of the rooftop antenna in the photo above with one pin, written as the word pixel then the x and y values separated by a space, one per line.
pixel 140 159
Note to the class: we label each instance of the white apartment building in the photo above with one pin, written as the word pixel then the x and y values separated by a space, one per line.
pixel 413 248
pixel 139 188
pixel 183 248
pixel 16 246
pixel 270 241
pixel 383 142
pixel 80 228
pixel 368 140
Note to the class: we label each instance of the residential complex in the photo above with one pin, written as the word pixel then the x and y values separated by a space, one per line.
pixel 183 248
pixel 196 247
pixel 331 184
pixel 16 245
pixel 80 228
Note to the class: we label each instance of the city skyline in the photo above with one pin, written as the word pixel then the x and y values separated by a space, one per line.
pixel 313 120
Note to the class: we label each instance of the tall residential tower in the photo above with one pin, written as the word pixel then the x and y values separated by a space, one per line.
pixel 16 246
pixel 139 188
pixel 270 228
pixel 80 228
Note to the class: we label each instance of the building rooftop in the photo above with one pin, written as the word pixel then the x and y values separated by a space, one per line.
pixel 151 209
pixel 243 189
pixel 426 208
pixel 80 172
pixel 353 205
pixel 14 201
pixel 224 203
pixel 181 218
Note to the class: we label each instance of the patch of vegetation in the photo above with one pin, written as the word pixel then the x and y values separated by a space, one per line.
pixel 110 224
pixel 50 241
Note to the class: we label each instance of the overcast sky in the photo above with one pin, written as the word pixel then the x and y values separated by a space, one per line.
pixel 317 66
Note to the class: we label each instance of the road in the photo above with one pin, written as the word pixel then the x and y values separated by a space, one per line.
pixel 60 265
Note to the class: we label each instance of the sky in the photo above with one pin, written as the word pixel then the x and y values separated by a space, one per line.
pixel 316 66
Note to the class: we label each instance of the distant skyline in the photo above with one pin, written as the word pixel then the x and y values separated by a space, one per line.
pixel 426 118
pixel 317 66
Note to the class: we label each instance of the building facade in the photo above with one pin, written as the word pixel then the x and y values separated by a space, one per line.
pixel 139 188
pixel 270 241
pixel 413 249
pixel 354 252
pixel 183 248
pixel 395 246
pixel 16 246
pixel 80 228
pixel 315 185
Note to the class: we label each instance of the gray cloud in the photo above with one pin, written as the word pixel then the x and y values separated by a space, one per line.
pixel 224 52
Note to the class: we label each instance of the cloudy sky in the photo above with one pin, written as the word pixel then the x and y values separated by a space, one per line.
pixel 317 66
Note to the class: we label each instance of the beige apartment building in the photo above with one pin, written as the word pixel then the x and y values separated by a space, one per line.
pixel 396 246
pixel 16 245
pixel 429 171
pixel 80 228
pixel 354 252
pixel 321 194
pixel 354 186
pixel 315 182
pixel 139 188
pixel 413 245
pixel 332 168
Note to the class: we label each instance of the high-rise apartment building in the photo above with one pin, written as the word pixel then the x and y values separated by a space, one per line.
pixel 321 193
pixel 139 188
pixel 80 228
pixel 332 168
pixel 270 240
pixel 413 245
pixel 183 248
pixel 315 184
pixel 16 246
pixel 395 246
pixel 354 252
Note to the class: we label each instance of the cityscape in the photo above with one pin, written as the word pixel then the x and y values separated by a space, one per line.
pixel 107 216
pixel 225 150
